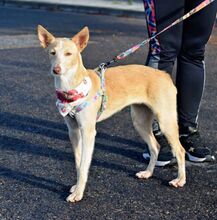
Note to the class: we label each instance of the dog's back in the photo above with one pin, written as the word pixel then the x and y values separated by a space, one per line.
pixel 130 84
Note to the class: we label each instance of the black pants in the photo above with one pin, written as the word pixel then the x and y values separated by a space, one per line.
pixel 185 43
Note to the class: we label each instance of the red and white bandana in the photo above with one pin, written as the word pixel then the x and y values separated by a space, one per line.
pixel 67 101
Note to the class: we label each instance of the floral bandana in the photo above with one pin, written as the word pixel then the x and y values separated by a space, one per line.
pixel 68 102
pixel 74 101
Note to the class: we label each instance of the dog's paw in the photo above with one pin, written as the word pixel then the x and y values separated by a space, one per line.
pixel 144 174
pixel 177 183
pixel 72 189
pixel 74 197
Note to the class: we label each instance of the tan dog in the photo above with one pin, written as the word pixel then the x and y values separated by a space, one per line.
pixel 150 93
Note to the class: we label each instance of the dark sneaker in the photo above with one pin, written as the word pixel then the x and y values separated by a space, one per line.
pixel 194 146
pixel 165 156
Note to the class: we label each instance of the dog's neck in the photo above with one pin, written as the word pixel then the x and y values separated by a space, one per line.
pixel 72 78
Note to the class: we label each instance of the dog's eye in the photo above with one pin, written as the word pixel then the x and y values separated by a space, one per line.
pixel 68 54
pixel 52 52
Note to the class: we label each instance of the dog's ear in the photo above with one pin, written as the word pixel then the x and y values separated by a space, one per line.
pixel 44 36
pixel 81 39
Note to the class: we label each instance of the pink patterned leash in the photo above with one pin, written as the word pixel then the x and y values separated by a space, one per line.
pixel 126 53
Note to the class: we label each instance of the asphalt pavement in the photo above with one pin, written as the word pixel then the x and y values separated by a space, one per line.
pixel 36 162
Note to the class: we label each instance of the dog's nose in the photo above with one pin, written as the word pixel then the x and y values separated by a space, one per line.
pixel 57 69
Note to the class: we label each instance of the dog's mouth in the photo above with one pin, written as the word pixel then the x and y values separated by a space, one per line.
pixel 55 74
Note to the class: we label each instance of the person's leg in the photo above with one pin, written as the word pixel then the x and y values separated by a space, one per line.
pixel 163 52
pixel 191 77
pixel 164 49
pixel 190 64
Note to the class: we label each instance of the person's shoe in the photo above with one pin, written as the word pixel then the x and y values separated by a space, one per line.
pixel 194 147
pixel 165 156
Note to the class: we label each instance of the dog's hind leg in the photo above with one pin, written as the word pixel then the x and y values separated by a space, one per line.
pixel 142 118
pixel 169 127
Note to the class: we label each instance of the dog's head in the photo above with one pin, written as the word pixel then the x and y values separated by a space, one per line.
pixel 64 53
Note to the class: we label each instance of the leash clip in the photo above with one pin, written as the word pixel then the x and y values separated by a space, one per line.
pixel 102 66
pixel 105 65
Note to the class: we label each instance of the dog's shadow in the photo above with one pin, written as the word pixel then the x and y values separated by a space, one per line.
pixel 33 180
pixel 33 125
pixel 55 130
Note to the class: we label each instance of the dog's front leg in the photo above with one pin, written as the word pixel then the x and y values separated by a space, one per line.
pixel 76 141
pixel 88 134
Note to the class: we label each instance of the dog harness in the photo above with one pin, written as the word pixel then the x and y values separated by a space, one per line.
pixel 73 101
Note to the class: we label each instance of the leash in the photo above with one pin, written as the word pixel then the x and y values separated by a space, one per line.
pixel 126 53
